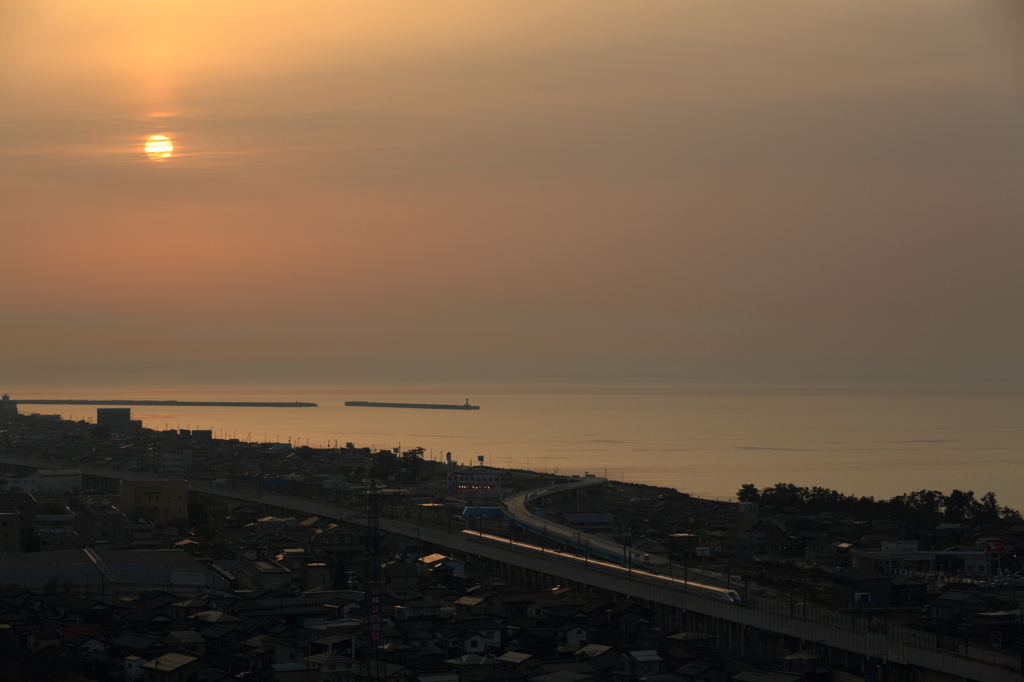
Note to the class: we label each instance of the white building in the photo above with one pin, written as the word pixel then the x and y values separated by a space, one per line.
pixel 22 484
pixel 470 479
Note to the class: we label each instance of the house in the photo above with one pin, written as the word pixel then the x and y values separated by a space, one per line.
pixel 340 608
pixel 471 635
pixel 803 661
pixel 751 675
pixel 186 642
pixel 83 642
pixel 599 657
pixel 444 564
pixel 572 635
pixel 864 588
pixel 517 662
pixel 827 552
pixel 567 666
pixel 530 604
pixel 293 672
pixel 178 667
pixel 702 671
pixel 907 591
pixel 948 605
pixel 380 671
pixel 43 639
pixel 143 646
pixel 265 650
pixel 696 644
pixel 561 676
pixel 133 667
pixel 476 606
pixel 185 609
pixel 335 667
pixel 401 579
pixel 337 644
pixel 636 664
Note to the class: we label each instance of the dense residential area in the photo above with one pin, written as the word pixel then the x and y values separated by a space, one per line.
pixel 112 569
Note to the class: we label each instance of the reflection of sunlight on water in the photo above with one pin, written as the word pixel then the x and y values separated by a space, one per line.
pixel 703 445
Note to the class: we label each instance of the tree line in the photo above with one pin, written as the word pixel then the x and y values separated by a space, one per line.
pixel 922 506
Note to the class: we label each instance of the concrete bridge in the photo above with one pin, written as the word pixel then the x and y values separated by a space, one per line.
pixel 522 510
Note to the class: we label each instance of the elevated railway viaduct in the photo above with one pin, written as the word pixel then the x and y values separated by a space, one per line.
pixel 760 629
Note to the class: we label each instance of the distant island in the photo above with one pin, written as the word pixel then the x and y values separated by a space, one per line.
pixel 420 406
pixel 170 403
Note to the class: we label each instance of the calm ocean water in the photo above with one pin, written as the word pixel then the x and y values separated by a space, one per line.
pixel 704 441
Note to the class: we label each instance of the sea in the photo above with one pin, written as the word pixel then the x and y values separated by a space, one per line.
pixel 702 440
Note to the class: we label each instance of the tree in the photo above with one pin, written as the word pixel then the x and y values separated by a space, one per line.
pixel 925 507
pixel 384 465
pixel 387 463
pixel 960 506
pixel 413 462
pixel 748 492
pixel 413 454
pixel 989 509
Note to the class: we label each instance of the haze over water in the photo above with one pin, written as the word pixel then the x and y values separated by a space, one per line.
pixel 706 441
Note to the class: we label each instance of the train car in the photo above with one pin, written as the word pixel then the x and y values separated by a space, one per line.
pixel 709 591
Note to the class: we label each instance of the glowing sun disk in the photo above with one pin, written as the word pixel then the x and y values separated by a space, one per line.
pixel 159 147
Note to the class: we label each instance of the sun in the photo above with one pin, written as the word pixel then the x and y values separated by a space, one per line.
pixel 159 147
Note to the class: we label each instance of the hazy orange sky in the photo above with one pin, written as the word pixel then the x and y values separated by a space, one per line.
pixel 678 191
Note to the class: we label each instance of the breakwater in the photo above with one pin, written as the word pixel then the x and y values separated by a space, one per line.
pixel 167 403
pixel 419 406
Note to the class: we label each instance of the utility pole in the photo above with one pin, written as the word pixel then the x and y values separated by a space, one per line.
pixel 1020 619
pixel 967 634
pixel 373 578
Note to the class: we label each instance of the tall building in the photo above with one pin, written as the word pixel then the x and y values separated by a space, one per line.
pixel 156 501
pixel 115 416
pixel 8 407
pixel 119 419
pixel 24 506
pixel 100 526
pixel 10 532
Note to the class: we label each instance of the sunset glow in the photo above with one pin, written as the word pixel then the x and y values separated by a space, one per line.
pixel 664 190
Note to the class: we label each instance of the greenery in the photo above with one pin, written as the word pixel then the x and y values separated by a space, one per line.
pixel 387 464
pixel 922 506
